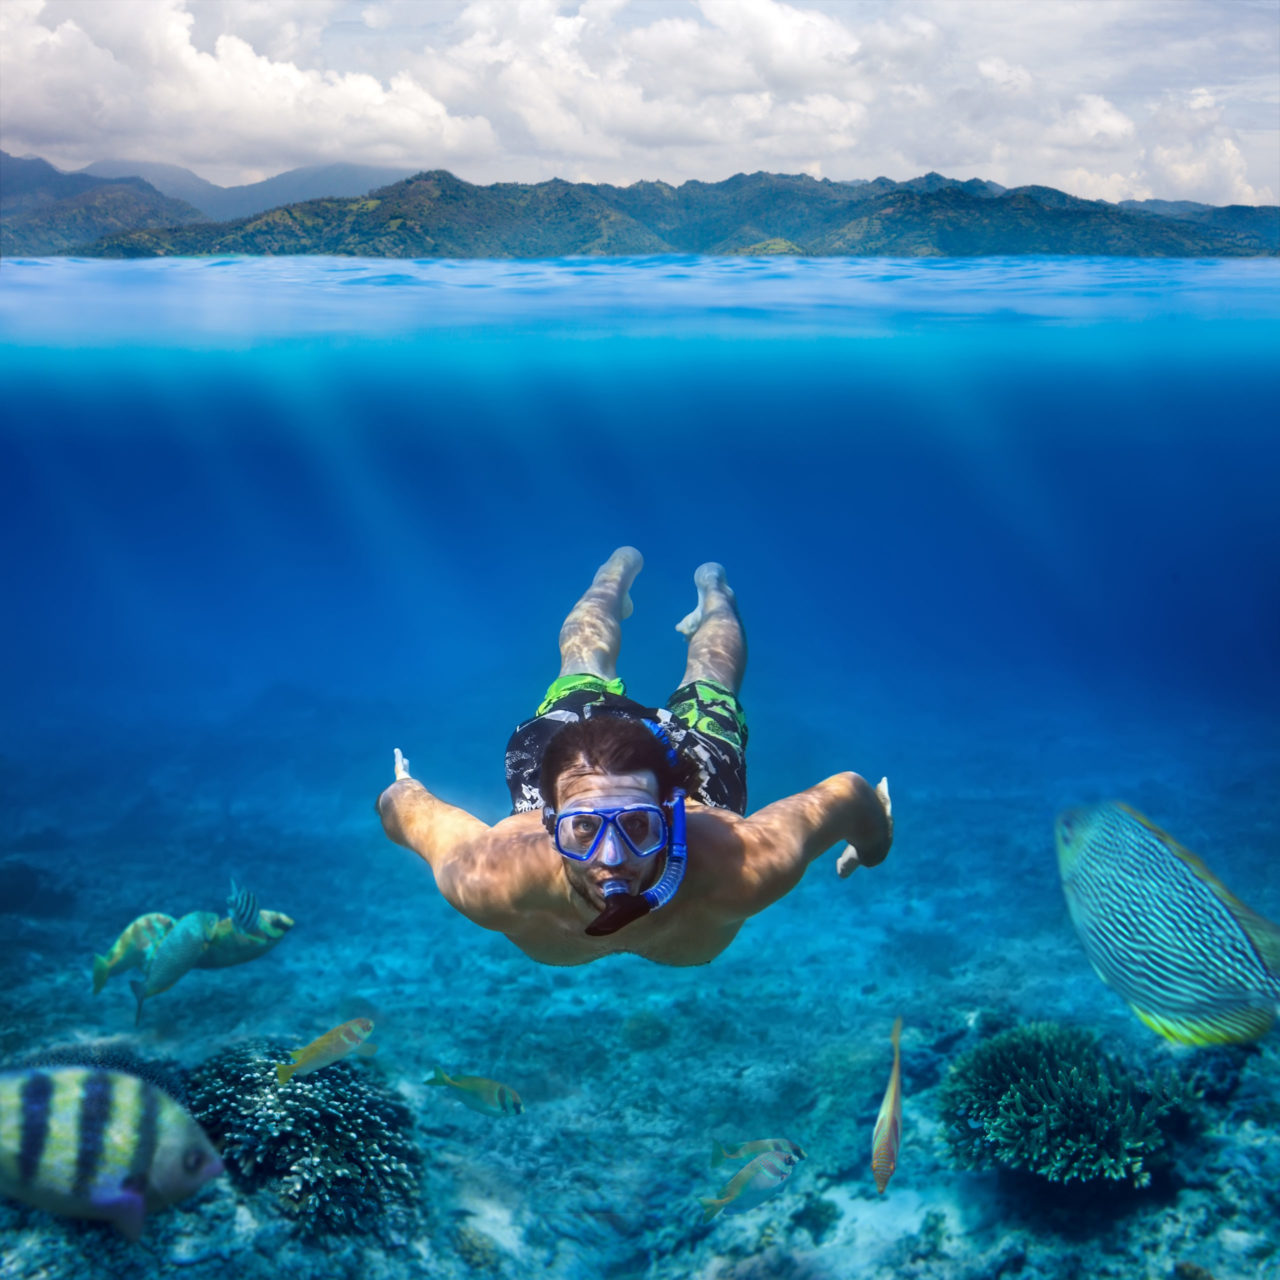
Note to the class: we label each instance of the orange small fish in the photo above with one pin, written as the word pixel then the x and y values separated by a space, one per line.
pixel 753 1184
pixel 888 1134
pixel 720 1153
pixel 328 1049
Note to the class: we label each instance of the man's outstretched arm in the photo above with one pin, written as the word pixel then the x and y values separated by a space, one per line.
pixel 413 817
pixel 784 837
pixel 494 883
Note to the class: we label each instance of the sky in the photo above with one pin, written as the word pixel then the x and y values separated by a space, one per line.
pixel 1107 99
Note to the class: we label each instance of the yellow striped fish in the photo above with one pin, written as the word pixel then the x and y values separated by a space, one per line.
pixel 888 1131
pixel 98 1144
pixel 229 946
pixel 486 1096
pixel 753 1184
pixel 328 1049
pixel 1194 963
pixel 720 1153
pixel 129 951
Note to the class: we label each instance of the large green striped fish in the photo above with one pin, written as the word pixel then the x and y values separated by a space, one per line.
pixel 1192 960
pixel 98 1144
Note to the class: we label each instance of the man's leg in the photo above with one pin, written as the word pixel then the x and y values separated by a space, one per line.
pixel 592 633
pixel 717 643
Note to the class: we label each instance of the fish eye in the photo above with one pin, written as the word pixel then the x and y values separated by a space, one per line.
pixel 192 1160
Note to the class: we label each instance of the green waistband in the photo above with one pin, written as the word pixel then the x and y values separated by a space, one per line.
pixel 565 685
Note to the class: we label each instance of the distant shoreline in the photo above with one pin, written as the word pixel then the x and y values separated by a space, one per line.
pixel 437 215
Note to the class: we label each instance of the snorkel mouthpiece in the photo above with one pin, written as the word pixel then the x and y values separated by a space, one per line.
pixel 621 908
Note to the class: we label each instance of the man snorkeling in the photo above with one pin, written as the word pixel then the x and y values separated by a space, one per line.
pixel 627 831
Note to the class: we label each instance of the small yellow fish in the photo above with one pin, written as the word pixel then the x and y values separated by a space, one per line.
pixel 229 946
pixel 486 1096
pixel 888 1132
pixel 753 1184
pixel 720 1153
pixel 129 950
pixel 328 1049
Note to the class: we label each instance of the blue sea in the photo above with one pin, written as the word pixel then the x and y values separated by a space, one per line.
pixel 1003 530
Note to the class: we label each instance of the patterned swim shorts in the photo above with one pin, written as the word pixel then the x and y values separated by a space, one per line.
pixel 703 719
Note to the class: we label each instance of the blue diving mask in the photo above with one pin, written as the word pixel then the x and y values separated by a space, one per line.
pixel 579 833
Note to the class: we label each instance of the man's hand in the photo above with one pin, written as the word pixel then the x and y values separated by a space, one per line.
pixel 849 862
pixel 402 765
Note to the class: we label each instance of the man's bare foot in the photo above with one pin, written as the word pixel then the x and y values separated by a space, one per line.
pixel 402 765
pixel 710 580
pixel 617 574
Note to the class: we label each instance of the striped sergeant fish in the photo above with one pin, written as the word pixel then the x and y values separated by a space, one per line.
pixel 486 1096
pixel 175 955
pixel 129 950
pixel 888 1131
pixel 98 1144
pixel 328 1049
pixel 720 1153
pixel 753 1184
pixel 242 907
pixel 1194 963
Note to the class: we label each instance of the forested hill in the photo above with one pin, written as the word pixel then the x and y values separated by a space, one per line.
pixel 435 214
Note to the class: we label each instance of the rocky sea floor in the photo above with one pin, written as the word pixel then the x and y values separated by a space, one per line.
pixel 629 1071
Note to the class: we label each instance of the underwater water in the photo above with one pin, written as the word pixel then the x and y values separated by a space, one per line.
pixel 1002 530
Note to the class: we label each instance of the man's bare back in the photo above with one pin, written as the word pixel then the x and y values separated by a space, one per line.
pixel 683 892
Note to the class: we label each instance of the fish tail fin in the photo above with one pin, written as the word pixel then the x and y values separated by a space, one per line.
pixel 284 1072
pixel 438 1077
pixel 139 990
pixel 101 972
pixel 710 1207
pixel 718 1154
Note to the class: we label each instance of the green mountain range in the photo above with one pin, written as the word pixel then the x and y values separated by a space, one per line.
pixel 435 214
pixel 44 211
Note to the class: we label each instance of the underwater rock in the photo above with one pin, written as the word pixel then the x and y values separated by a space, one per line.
pixel 1046 1100
pixel 336 1147
pixel 28 891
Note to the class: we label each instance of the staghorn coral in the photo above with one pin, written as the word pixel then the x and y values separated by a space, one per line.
pixel 336 1146
pixel 1045 1099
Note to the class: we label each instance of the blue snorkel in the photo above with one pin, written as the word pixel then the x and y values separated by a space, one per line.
pixel 620 907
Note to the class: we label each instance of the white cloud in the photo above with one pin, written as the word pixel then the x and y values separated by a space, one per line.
pixel 1127 98
pixel 1005 76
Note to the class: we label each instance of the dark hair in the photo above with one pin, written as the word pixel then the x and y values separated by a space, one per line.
pixel 613 744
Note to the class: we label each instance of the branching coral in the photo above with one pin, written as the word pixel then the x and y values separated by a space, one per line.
pixel 336 1145
pixel 1045 1099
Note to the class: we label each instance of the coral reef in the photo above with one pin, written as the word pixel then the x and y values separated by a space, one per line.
pixel 336 1145
pixel 1045 1099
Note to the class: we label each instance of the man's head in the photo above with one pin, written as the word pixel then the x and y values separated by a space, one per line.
pixel 607 763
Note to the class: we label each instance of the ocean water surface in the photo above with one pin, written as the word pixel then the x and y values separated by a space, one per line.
pixel 1002 530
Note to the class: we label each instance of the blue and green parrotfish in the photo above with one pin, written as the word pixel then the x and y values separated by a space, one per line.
pixel 175 955
pixel 129 951
pixel 98 1144
pixel 486 1096
pixel 1194 963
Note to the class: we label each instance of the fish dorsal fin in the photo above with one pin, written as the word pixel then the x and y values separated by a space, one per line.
pixel 1261 932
